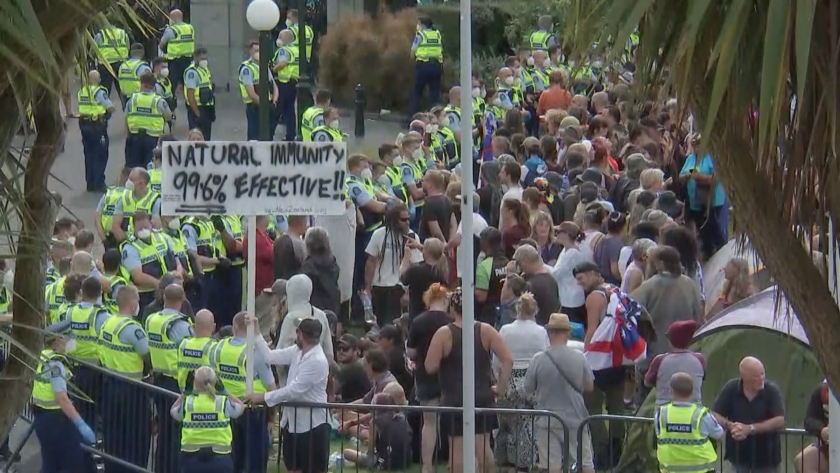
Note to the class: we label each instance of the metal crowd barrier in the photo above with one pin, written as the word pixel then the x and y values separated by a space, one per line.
pixel 511 440
pixel 647 437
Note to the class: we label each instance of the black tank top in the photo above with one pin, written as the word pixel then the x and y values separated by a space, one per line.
pixel 452 372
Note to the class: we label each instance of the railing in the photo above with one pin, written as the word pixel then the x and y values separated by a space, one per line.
pixel 644 445
pixel 137 434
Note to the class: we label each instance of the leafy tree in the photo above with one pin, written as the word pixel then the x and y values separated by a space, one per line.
pixel 727 60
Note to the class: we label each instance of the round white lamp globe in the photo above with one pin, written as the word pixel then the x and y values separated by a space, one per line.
pixel 263 15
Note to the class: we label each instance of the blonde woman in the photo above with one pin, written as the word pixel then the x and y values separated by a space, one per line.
pixel 420 276
pixel 206 434
pixel 738 285
pixel 651 180
pixel 542 232
pixel 524 338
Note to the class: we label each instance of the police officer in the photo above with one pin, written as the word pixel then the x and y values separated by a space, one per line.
pixel 146 113
pixel 390 156
pixel 293 24
pixel 95 108
pixel 427 50
pixel 230 231
pixel 543 38
pixel 130 71
pixel 540 72
pixel 249 88
pixel 205 241
pixel 163 87
pixel 178 42
pixel 313 116
pixel 684 431
pixel 369 211
pixel 147 257
pixel 200 94
pixel 5 293
pixel 155 169
pixel 444 136
pixel 106 208
pixel 330 130
pixel 193 353
pixel 137 197
pixel 59 427
pixel 124 350
pixel 286 72
pixel 206 435
pixel 453 113
pixel 83 322
pixel 113 44
pixel 166 329
pixel 111 261
pixel 250 435
pixel 171 226
pixel 412 169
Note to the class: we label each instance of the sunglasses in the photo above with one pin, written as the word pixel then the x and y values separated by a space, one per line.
pixel 344 348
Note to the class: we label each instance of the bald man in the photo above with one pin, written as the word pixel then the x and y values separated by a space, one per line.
pixel 193 353
pixel 95 108
pixel 746 407
pixel 286 74
pixel 178 42
pixel 166 330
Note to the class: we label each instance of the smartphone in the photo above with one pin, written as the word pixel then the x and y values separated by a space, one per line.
pixel 427 139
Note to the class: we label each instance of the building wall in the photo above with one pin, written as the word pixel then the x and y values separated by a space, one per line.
pixel 221 27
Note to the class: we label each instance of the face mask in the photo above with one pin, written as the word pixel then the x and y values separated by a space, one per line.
pixel 597 64
pixel 530 61
pixel 366 174
pixel 547 62
pixel 279 42
pixel 289 23
pixel 70 346
pixel 509 80
pixel 419 28
pixel 445 121
pixel 571 63
pixel 434 128
pixel 384 180
pixel 417 154
pixel 398 161
pixel 483 93
pixel 129 185
pixel 428 128
pixel 497 102
pixel 144 234
pixel 334 124
pixel 175 224
pixel 164 72
pixel 203 63
pixel 256 56
pixel 476 92
pixel 136 310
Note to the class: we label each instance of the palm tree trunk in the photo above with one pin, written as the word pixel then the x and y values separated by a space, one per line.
pixel 37 218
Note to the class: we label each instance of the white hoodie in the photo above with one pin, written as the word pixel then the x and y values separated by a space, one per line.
pixel 298 292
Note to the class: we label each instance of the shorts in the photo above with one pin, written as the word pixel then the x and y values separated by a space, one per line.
pixel 452 424
pixel 550 448
pixel 307 452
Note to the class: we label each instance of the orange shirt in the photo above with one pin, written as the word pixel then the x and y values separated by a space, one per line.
pixel 554 98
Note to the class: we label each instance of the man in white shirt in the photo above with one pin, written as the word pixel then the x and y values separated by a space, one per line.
pixel 306 442
pixel 509 176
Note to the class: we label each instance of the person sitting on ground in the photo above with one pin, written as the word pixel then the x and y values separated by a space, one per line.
pixel 376 365
pixel 391 445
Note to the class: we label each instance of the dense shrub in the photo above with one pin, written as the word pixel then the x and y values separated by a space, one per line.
pixel 524 15
pixel 488 27
pixel 371 52
pixel 376 52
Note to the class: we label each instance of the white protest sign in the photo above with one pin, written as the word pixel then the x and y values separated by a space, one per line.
pixel 253 178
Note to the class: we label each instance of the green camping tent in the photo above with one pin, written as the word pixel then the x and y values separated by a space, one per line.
pixel 751 327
